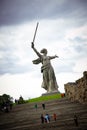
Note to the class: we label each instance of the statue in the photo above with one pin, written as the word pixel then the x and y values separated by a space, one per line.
pixel 49 80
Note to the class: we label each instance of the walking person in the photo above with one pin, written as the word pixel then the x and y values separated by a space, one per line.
pixel 42 118
pixel 54 116
pixel 35 107
pixel 75 119
pixel 47 118
pixel 43 106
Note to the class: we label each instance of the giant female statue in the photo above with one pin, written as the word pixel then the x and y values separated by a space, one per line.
pixel 49 80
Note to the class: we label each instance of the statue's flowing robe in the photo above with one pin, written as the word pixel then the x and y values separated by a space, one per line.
pixel 49 80
pixel 37 61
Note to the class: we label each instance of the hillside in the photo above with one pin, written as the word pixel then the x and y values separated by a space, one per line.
pixel 26 117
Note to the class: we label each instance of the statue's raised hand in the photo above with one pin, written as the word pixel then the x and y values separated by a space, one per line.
pixel 32 44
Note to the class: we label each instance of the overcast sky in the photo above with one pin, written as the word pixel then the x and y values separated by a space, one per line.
pixel 62 30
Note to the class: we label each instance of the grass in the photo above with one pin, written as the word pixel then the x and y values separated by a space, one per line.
pixel 45 98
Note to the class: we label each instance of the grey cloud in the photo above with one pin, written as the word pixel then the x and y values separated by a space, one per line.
pixel 65 68
pixel 9 62
pixel 79 39
pixel 79 45
pixel 6 64
pixel 17 11
pixel 9 65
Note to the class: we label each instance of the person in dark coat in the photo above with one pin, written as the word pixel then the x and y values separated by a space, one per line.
pixel 75 119
pixel 43 106
pixel 42 118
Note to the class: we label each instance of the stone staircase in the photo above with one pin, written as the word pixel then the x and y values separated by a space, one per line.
pixel 26 117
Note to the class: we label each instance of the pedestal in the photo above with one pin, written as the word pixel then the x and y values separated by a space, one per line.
pixel 50 93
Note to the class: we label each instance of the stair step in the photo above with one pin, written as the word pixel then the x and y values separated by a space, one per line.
pixel 25 117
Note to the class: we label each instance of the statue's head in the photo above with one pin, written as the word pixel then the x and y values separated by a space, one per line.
pixel 44 51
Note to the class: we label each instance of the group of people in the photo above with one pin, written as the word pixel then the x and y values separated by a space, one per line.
pixel 46 118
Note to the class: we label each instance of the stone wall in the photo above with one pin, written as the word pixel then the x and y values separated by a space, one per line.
pixel 77 91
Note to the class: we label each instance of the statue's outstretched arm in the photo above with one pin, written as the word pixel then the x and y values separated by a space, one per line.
pixel 35 50
pixel 52 57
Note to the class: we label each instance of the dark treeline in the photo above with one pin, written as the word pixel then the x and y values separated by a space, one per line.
pixel 6 103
